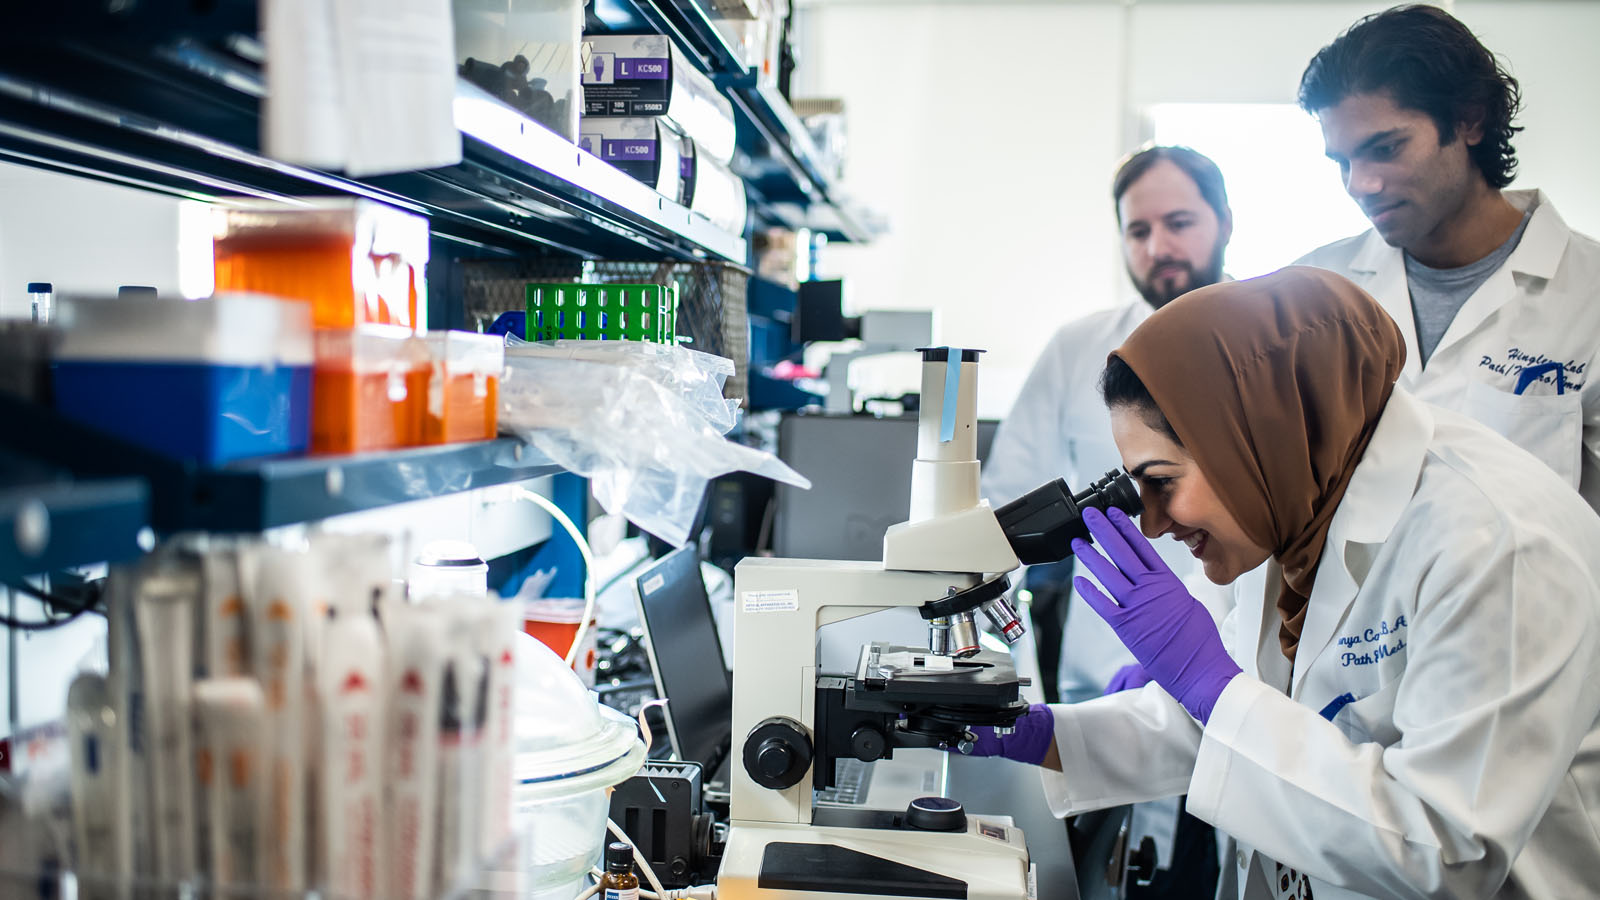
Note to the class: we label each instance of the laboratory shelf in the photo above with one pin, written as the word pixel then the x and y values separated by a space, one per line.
pixel 264 493
pixel 182 116
pixel 779 161
pixel 58 524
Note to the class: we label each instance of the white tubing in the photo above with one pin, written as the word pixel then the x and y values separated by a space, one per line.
pixel 588 564
pixel 644 725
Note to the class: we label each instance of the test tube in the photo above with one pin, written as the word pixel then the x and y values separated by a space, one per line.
pixel 42 295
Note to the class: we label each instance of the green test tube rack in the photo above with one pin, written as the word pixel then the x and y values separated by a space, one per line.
pixel 603 312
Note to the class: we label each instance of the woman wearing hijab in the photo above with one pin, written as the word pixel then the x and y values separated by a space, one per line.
pixel 1411 710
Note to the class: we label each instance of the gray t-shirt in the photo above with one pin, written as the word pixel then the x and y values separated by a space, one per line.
pixel 1438 294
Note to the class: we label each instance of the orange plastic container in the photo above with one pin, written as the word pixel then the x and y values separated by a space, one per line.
pixel 354 261
pixel 463 388
pixel 369 388
pixel 555 624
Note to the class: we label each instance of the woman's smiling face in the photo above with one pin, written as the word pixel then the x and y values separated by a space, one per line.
pixel 1178 500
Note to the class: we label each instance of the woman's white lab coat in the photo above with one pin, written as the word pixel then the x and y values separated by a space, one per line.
pixel 1440 737
pixel 1539 311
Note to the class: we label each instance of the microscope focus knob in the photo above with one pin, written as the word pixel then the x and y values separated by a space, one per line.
pixel 774 757
pixel 936 814
pixel 777 753
pixel 867 743
pixel 1142 862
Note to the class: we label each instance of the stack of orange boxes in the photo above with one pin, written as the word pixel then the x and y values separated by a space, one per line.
pixel 379 381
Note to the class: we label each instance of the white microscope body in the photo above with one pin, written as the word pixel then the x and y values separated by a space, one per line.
pixel 779 845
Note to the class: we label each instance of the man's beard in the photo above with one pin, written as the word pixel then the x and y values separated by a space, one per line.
pixel 1158 295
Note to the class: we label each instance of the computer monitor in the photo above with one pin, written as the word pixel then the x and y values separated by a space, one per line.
pixel 849 507
pixel 690 672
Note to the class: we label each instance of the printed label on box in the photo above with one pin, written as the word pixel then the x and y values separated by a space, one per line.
pixel 602 69
pixel 770 601
pixel 593 106
pixel 637 69
pixel 636 84
pixel 611 151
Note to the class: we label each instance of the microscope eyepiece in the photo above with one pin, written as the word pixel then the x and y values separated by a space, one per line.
pixel 1115 489
pixel 1041 524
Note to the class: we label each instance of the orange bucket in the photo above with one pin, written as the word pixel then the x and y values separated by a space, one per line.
pixel 555 623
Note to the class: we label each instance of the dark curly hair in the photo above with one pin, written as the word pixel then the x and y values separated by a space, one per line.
pixel 1426 60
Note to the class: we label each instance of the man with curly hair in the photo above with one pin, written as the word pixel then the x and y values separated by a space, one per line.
pixel 1498 299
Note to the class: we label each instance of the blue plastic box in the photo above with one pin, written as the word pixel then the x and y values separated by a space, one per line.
pixel 208 380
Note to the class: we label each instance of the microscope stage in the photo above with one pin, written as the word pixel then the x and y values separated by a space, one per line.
pixel 903 674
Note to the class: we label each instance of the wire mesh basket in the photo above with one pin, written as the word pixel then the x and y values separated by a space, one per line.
pixel 711 297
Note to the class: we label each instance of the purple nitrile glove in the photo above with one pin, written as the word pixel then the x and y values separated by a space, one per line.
pixel 1128 678
pixel 1029 743
pixel 1168 631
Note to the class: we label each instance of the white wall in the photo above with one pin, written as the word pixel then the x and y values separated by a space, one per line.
pixel 988 134
pixel 82 236
pixel 1550 48
pixel 982 131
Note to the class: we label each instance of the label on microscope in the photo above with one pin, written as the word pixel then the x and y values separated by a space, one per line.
pixel 770 601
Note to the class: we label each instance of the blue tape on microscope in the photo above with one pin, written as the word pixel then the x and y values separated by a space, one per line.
pixel 952 391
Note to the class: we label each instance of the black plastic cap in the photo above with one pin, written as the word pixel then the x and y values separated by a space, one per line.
pixel 936 814
pixel 41 287
pixel 619 857
pixel 942 354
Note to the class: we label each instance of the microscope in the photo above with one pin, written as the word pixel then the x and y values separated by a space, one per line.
pixel 791 722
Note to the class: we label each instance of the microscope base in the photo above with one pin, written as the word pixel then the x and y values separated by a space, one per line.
pixel 764 861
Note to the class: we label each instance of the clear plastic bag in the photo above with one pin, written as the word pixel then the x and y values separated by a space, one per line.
pixel 696 377
pixel 643 422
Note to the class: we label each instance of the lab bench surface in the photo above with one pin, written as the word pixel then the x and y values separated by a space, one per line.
pixel 1000 787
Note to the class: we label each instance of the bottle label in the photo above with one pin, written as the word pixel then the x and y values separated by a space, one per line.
pixel 621 894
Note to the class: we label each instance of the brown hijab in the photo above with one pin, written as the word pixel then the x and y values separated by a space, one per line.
pixel 1274 385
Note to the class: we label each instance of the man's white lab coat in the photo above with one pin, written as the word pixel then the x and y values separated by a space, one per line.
pixel 1540 310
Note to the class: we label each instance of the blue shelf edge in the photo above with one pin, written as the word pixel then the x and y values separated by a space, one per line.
pixel 253 495
pixel 300 489
pixel 58 525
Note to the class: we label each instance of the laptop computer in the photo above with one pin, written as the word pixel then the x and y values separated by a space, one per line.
pixel 680 637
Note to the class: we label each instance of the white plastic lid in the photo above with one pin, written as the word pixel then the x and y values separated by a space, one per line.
pixel 373 228
pixel 449 554
pixel 567 743
pixel 370 348
pixel 556 611
pixel 467 352
pixel 229 328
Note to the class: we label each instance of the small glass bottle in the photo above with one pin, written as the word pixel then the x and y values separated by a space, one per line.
pixel 619 882
pixel 43 296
